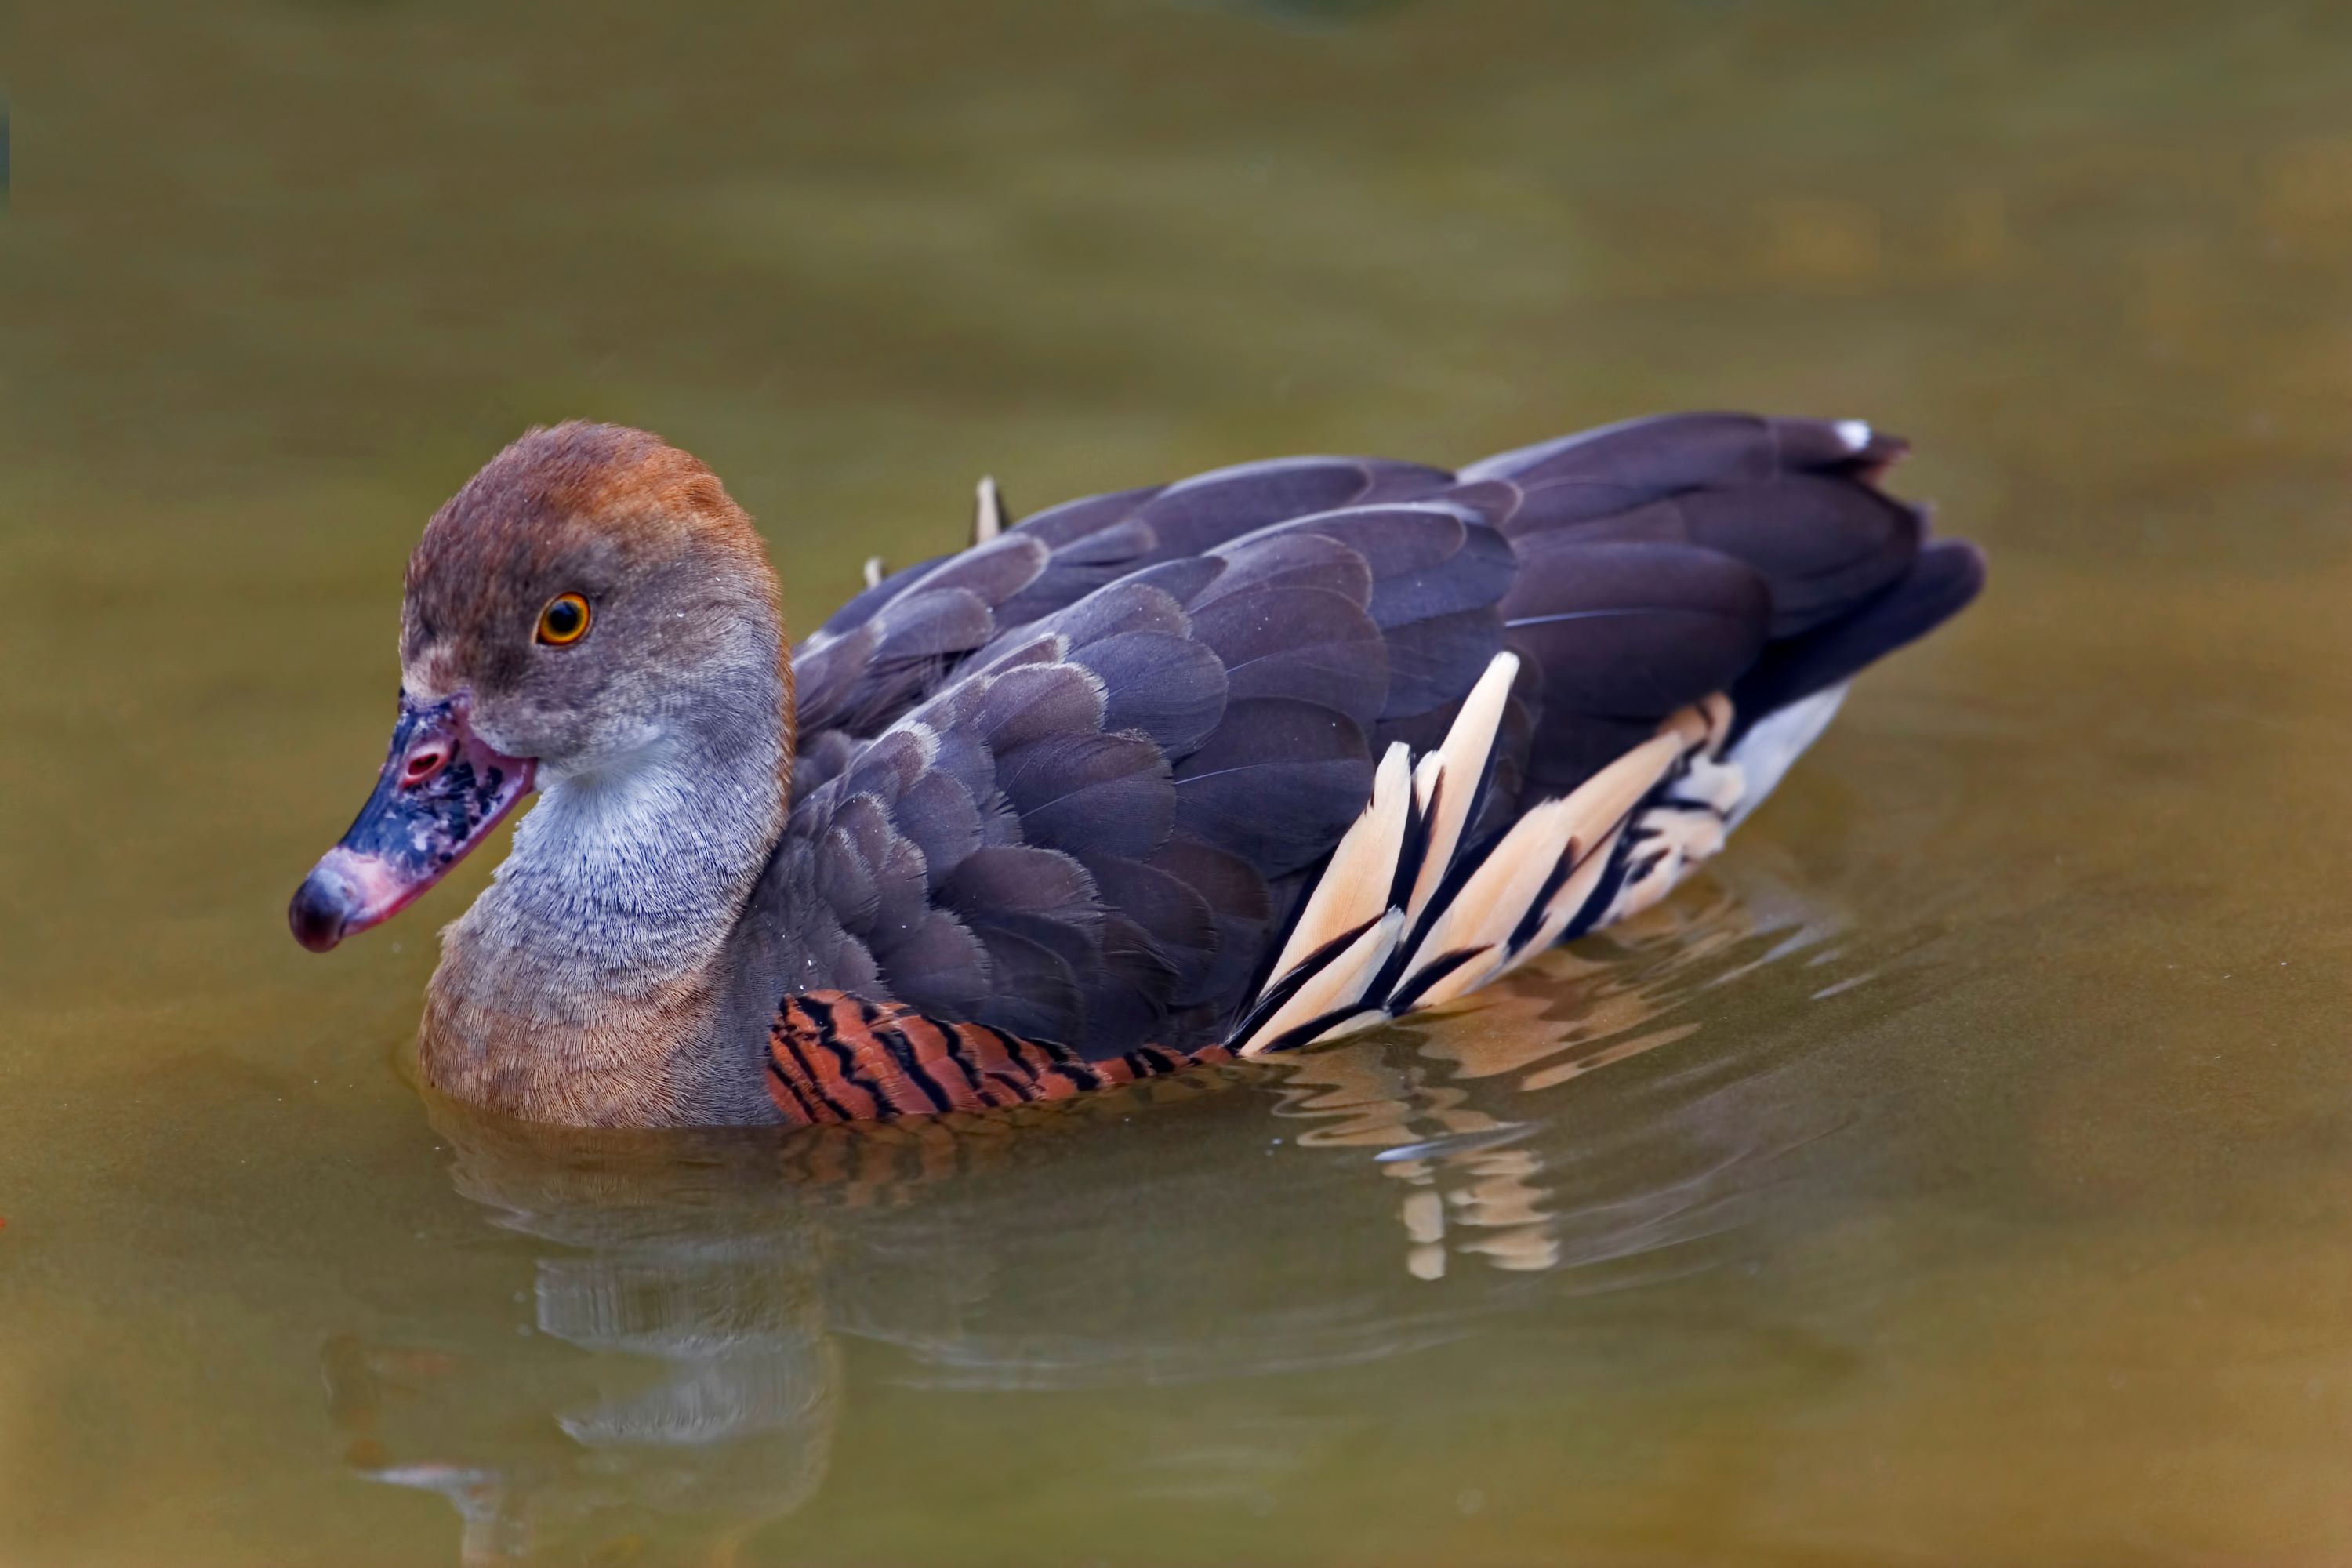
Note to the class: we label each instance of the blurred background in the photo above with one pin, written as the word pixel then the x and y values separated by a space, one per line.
pixel 1955 1173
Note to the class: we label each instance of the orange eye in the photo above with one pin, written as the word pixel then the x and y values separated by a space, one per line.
pixel 565 620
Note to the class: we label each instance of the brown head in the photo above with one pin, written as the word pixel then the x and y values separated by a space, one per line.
pixel 589 600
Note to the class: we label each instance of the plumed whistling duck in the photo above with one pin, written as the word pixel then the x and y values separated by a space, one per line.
pixel 1203 770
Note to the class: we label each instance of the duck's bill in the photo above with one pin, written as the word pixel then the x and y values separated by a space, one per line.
pixel 442 792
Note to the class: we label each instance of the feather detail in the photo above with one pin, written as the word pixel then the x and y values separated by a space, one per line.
pixel 1601 805
pixel 1354 888
pixel 1476 916
pixel 1333 989
pixel 988 512
pixel 1574 896
pixel 1445 784
pixel 1480 917
pixel 832 1056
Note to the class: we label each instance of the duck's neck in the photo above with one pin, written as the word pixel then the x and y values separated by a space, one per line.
pixel 581 986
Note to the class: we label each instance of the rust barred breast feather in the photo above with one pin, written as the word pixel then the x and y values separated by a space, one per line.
pixel 834 1057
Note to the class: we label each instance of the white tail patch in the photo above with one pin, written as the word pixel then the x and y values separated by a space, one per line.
pixel 875 571
pixel 1776 741
pixel 1646 818
pixel 988 510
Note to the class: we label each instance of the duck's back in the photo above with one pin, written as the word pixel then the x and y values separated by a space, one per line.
pixel 1078 789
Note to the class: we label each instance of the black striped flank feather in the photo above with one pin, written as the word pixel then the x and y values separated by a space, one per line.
pixel 1298 745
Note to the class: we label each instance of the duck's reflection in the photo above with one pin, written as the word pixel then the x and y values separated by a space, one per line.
pixel 1453 1109
pixel 707 1390
pixel 680 1371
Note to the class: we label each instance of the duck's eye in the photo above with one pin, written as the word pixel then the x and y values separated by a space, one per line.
pixel 565 620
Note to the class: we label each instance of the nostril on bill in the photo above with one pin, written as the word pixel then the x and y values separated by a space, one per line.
pixel 423 763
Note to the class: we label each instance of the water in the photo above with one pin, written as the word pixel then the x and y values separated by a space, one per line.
pixel 1957 1174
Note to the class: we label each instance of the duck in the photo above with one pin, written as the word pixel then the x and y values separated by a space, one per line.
pixel 1148 782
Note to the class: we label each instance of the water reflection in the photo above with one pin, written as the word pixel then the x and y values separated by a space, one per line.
pixel 675 1365
pixel 1453 1110
pixel 675 1375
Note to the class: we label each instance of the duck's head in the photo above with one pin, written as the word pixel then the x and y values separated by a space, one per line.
pixel 583 602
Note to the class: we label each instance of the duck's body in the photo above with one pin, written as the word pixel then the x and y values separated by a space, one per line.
pixel 1224 766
